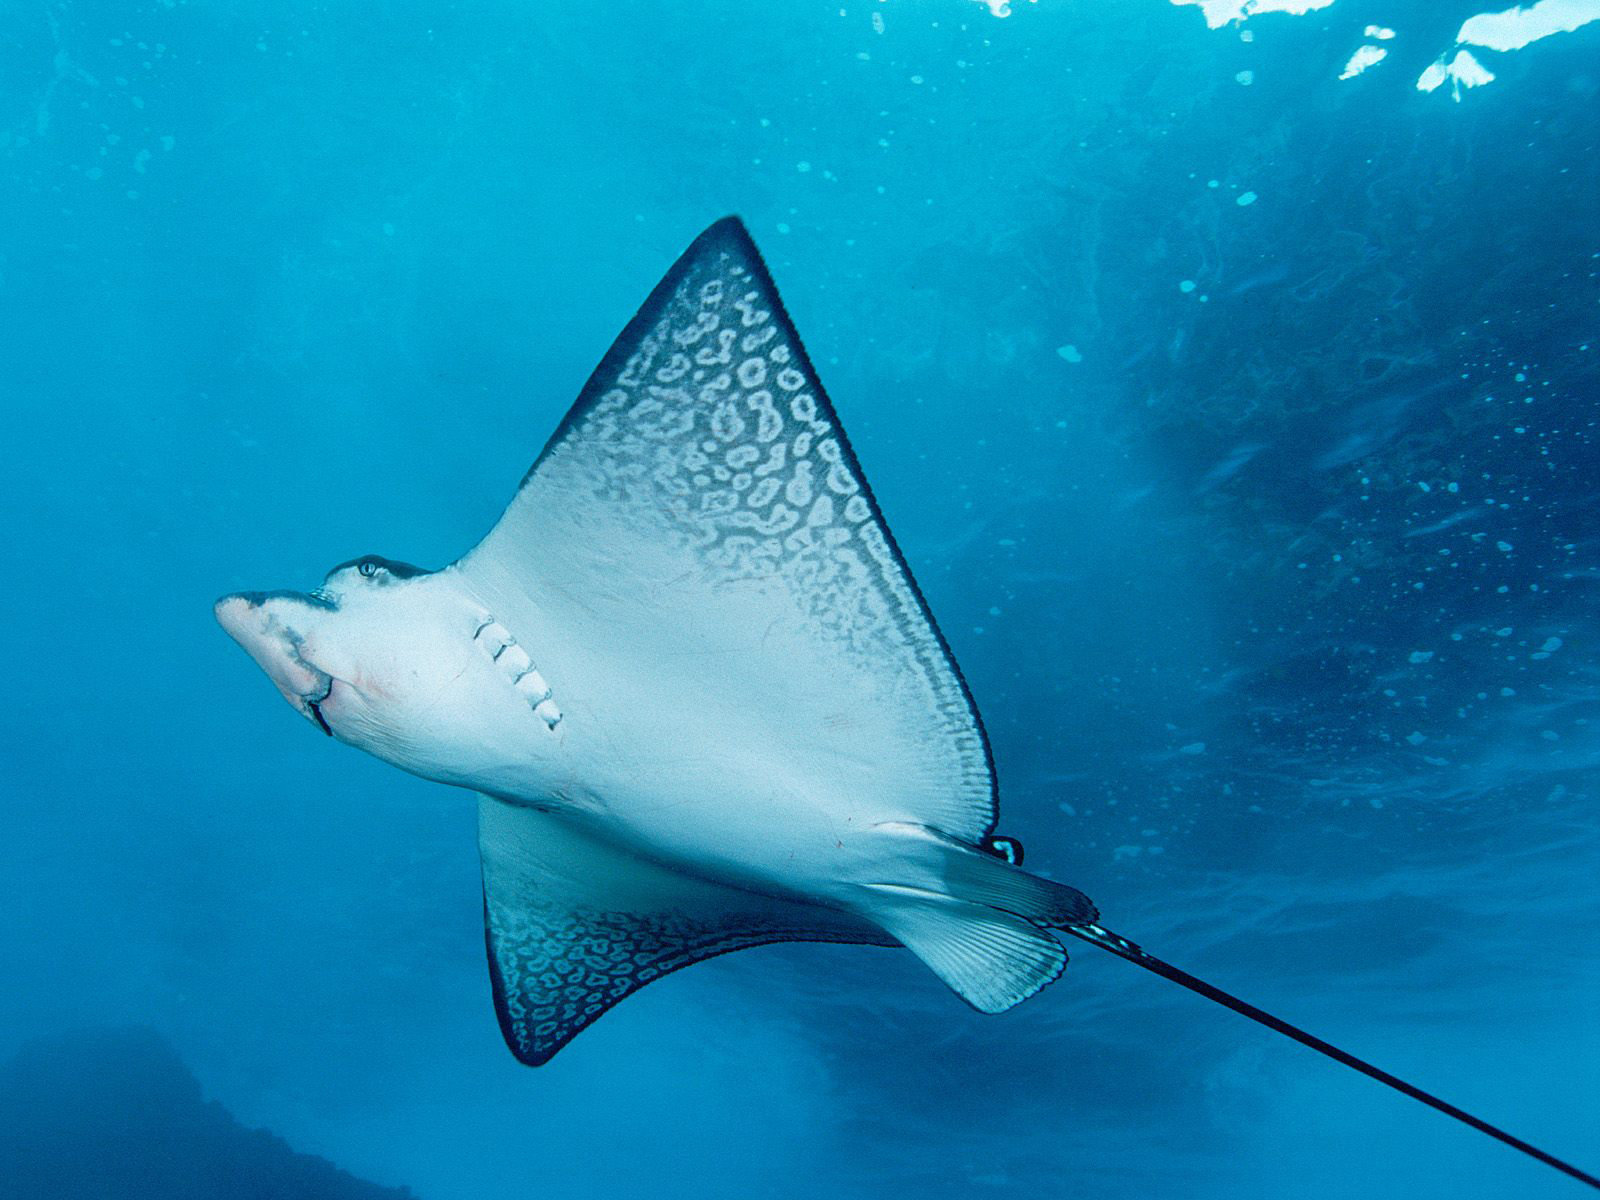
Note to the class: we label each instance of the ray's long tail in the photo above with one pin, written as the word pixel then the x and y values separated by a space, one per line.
pixel 1123 948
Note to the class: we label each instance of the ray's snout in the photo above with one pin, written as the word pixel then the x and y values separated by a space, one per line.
pixel 264 624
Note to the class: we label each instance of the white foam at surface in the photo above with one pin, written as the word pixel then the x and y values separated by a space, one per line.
pixel 1377 33
pixel 1000 8
pixel 1467 71
pixel 1364 57
pixel 1461 71
pixel 1220 12
pixel 1516 27
pixel 1505 31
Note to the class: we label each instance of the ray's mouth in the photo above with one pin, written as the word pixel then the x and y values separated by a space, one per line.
pixel 309 702
pixel 314 707
pixel 268 625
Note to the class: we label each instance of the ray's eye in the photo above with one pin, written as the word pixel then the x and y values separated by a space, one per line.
pixel 367 567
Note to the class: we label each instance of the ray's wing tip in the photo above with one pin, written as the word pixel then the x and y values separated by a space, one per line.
pixel 531 1058
pixel 524 1051
pixel 728 228
pixel 729 235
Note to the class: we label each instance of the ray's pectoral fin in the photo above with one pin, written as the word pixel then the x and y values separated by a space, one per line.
pixel 700 517
pixel 575 923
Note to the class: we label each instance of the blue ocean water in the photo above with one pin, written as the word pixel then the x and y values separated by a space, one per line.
pixel 1237 419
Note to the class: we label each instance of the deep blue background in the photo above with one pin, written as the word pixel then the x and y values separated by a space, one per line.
pixel 1279 604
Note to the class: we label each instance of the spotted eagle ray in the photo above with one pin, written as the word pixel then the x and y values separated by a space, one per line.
pixel 698 693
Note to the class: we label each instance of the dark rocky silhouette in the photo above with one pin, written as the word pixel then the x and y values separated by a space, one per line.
pixel 114 1114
